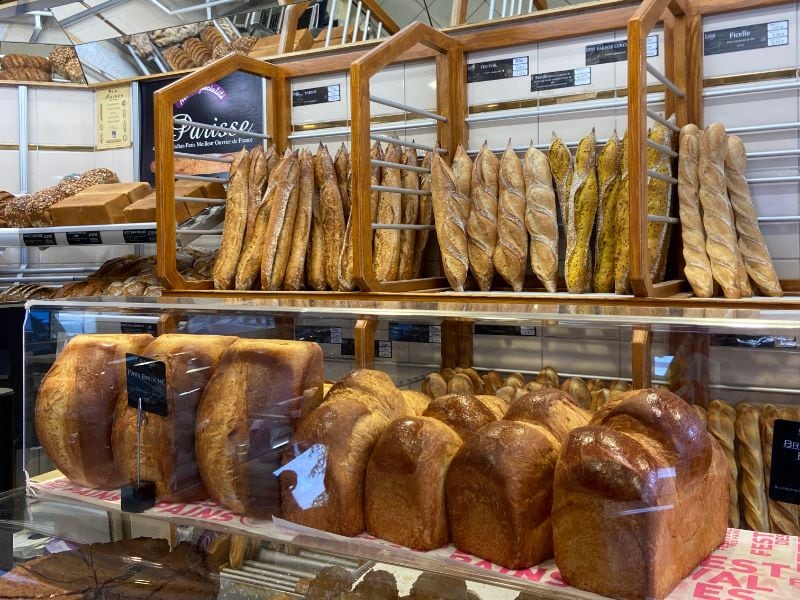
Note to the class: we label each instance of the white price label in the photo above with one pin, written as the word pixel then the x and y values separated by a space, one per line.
pixel 435 334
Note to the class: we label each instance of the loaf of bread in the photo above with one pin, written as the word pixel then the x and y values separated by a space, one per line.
pixel 622 283
pixel 25 74
pixel 254 395
pixel 434 385
pixel 235 223
pixel 386 254
pixel 15 61
pixel 317 251
pixel 450 218
pixel 463 413
pixel 541 217
pixel 212 37
pixel 178 59
pixel 608 185
pixel 425 217
pixel 417 401
pixel 552 409
pixel 278 241
pixel 256 185
pixel 499 493
pixel 578 391
pixel 341 164
pixel 511 252
pixel 75 406
pixel 640 497
pixel 561 165
pixel 482 220
pixel 581 210
pixel 404 499
pixel 721 420
pixel 783 517
pixel 333 224
pixel 166 455
pixel 198 51
pixel 659 200
pixel 90 209
pixel 301 230
pixel 751 242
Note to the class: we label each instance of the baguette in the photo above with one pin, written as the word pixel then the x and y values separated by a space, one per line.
pixel 343 168
pixel 462 171
pixel 425 217
pixel 608 184
pixel 272 158
pixel 622 283
pixel 562 165
pixel 281 223
pixel 235 221
pixel 249 267
pixel 581 211
pixel 450 220
pixel 783 517
pixel 717 212
pixel 257 181
pixel 721 425
pixel 410 212
pixel 541 217
pixel 482 220
pixel 332 214
pixel 511 253
pixel 341 164
pixel 751 243
pixel 375 174
pixel 315 262
pixel 293 280
pixel 698 267
pixel 387 241
pixel 659 200
pixel 752 492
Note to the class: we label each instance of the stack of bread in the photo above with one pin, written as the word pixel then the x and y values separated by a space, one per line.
pixel 722 244
pixel 24 67
pixel 65 63
pixel 199 50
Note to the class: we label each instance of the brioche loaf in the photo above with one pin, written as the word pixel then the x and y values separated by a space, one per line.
pixel 450 218
pixel 482 219
pixel 511 252
pixel 552 409
pixel 463 413
pixel 541 217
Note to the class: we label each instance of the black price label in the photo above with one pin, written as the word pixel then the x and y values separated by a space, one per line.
pixel 505 330
pixel 84 238
pixel 317 95
pixel 561 79
pixel 784 477
pixel 616 51
pixel 415 332
pixel 319 334
pixel 139 236
pixel 39 239
pixel 749 37
pixel 147 382
pixel 506 68
pixel 383 348
pixel 150 328
pixel 753 341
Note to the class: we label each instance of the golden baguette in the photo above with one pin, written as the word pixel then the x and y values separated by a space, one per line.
pixel 235 221
pixel 272 158
pixel 482 219
pixel 315 261
pixel 425 217
pixel 721 425
pixel 332 214
pixel 410 212
pixel 659 200
pixel 717 211
pixel 752 492
pixel 450 219
pixel 281 224
pixel 341 164
pixel 608 184
pixel 562 165
pixel 698 267
pixel 386 254
pixel 257 181
pixel 511 252
pixel 622 283
pixel 462 171
pixel 783 517
pixel 541 217
pixel 751 242
pixel 249 266
pixel 295 268
pixel 581 211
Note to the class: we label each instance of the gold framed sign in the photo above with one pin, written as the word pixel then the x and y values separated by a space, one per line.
pixel 113 117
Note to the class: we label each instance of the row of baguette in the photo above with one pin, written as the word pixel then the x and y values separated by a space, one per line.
pixel 62 60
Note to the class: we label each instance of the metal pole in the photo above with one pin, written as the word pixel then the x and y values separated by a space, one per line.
pixel 23 138
pixel 346 22
pixel 358 18
pixel 331 14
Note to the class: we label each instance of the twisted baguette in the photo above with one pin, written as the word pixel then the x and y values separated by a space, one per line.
pixel 425 217
pixel 581 211
pixel 482 221
pixel 450 219
pixel 752 493
pixel 511 251
pixel 410 212
pixel 783 517
pixel 608 183
pixel 721 425
pixel 541 218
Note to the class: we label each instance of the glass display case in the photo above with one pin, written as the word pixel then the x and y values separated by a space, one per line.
pixel 307 447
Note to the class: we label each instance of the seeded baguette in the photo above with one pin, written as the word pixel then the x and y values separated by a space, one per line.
pixel 562 165
pixel 410 212
pixel 341 164
pixel 235 222
pixel 425 217
pixel 386 254
pixel 293 280
pixel 698 267
pixel 482 220
pixel 754 250
pixel 450 219
pixel 511 253
pixel 332 214
pixel 541 218
pixel 608 184
pixel 659 200
pixel 281 224
pixel 621 258
pixel 581 212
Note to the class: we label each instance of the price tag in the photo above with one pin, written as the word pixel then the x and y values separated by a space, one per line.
pixel 39 239
pixel 561 79
pixel 84 238
pixel 383 348
pixel 505 330
pixel 748 37
pixel 616 51
pixel 491 70
pixel 150 328
pixel 139 236
pixel 147 381
pixel 319 334
pixel 784 477
pixel 415 332
pixel 317 95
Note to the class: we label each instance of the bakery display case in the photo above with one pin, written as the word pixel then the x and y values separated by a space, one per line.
pixel 549 450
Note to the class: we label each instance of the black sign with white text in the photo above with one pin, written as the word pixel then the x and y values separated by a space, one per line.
pixel 749 37
pixel 616 51
pixel 415 332
pixel 784 477
pixel 505 330
pixel 139 236
pixel 150 328
pixel 319 334
pixel 317 95
pixel 490 70
pixel 147 383
pixel 39 239
pixel 383 348
pixel 561 79
pixel 84 238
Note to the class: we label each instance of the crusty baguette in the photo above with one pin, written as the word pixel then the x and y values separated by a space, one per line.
pixel 375 174
pixel 581 211
pixel 235 221
pixel 751 243
pixel 717 211
pixel 608 184
pixel 256 185
pixel 721 424
pixel 249 267
pixel 783 517
pixel 698 267
pixel 281 224
pixel 333 225
pixel 386 254
pixel 293 280
pixel 659 200
pixel 622 283
pixel 562 165
pixel 541 217
pixel 425 217
pixel 752 492
pixel 450 219
pixel 462 171
pixel 272 158
pixel 341 164
pixel 315 261
pixel 511 253
pixel 482 220
pixel 410 212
